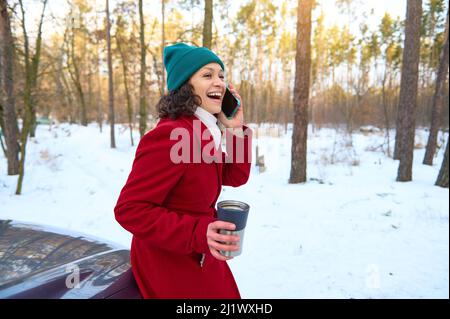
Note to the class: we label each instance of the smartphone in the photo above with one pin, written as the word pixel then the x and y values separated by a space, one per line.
pixel 230 104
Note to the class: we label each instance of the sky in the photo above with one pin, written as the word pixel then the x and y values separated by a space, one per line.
pixel 59 9
pixel 394 7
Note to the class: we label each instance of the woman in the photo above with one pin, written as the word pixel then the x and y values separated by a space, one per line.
pixel 169 205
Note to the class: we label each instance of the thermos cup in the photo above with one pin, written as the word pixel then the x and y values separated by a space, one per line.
pixel 235 212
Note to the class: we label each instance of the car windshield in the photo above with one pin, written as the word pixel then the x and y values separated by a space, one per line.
pixel 26 250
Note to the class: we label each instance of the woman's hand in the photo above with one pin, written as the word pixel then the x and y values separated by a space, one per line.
pixel 238 120
pixel 217 241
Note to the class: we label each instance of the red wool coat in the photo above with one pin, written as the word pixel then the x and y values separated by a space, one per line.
pixel 167 207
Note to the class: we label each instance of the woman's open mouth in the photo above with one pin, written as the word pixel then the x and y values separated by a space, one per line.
pixel 215 96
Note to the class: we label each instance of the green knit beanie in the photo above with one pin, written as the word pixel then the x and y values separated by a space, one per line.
pixel 182 60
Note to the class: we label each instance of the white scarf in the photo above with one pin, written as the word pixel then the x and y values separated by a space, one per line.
pixel 210 122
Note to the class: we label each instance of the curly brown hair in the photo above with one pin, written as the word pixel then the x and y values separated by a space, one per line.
pixel 176 103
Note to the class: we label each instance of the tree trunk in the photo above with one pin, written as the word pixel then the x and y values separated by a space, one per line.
pixel 269 89
pixel 76 79
pixel 408 91
pixel 438 101
pixel 442 179
pixel 286 97
pixel 142 102
pixel 57 70
pixel 34 73
pixel 83 115
pixel 110 77
pixel 31 69
pixel 7 101
pixel 68 95
pixel 301 92
pixel 127 92
pixel 207 24
pixel 385 110
pixel 90 89
pixel 98 94
pixel 349 102
pixel 23 147
pixel 2 129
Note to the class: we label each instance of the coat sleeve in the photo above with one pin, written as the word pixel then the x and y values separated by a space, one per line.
pixel 140 206
pixel 237 161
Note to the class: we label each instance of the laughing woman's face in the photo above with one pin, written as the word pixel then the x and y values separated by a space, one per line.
pixel 209 84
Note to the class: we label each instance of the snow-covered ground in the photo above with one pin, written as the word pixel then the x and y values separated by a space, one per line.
pixel 351 231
